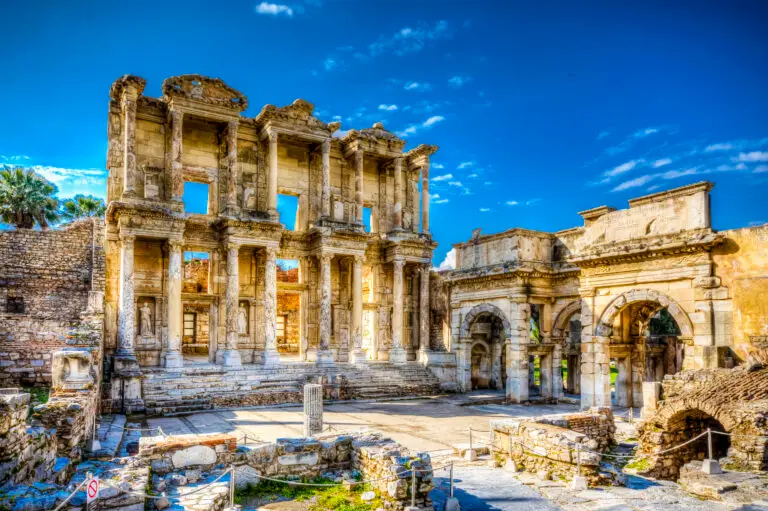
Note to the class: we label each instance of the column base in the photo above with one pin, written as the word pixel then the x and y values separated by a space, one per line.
pixel 423 356
pixel 271 358
pixel 174 360
pixel 398 355
pixel 232 359
pixel 358 357
pixel 325 358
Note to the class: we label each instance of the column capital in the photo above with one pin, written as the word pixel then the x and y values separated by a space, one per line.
pixel 359 259
pixel 127 239
pixel 399 262
pixel 175 245
pixel 232 245
pixel 272 135
pixel 359 153
pixel 175 115
pixel 325 257
pixel 233 125
pixel 326 145
pixel 271 252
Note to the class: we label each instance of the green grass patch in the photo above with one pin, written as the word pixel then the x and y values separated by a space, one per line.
pixel 322 497
pixel 38 395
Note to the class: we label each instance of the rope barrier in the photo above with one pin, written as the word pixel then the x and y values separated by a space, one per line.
pixel 57 508
pixel 739 434
pixel 181 495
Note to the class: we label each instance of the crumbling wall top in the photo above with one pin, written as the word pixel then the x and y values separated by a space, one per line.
pixel 126 82
pixel 204 89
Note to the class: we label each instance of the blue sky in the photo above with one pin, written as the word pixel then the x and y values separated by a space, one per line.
pixel 541 109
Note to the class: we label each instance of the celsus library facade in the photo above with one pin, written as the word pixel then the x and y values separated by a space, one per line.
pixel 200 293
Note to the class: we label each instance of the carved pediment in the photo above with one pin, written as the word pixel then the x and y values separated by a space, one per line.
pixel 204 89
pixel 375 139
pixel 297 114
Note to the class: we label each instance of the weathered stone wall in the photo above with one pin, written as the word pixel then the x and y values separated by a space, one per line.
pixel 288 307
pixel 27 454
pixel 72 415
pixel 556 444
pixel 741 262
pixel 59 275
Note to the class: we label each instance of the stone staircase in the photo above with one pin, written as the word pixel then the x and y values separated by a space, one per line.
pixel 205 387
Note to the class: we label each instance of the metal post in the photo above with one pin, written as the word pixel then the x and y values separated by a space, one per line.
pixel 470 439
pixel 413 487
pixel 709 443
pixel 451 477
pixel 631 416
pixel 578 459
pixel 232 486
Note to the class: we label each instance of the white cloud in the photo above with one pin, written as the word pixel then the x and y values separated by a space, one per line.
pixel 633 183
pixel 531 202
pixel 465 164
pixel 760 169
pixel 330 64
pixel 602 135
pixel 719 147
pixel 487 183
pixel 511 203
pixel 274 9
pixel 620 169
pixel 455 183
pixel 441 201
pixel 485 210
pixel 752 156
pixel 645 132
pixel 413 128
pixel 409 40
pixel 727 168
pixel 449 263
pixel 387 108
pixel 433 120
pixel 661 162
pixel 433 196
pixel 444 177
pixel 472 175
pixel 437 166
pixel 459 81
pixel 418 86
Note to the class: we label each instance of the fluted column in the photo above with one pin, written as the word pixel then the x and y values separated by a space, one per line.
pixel 398 221
pixel 324 355
pixel 358 355
pixel 173 357
pixel 232 166
pixel 424 308
pixel 326 179
pixel 127 314
pixel 231 354
pixel 177 151
pixel 359 186
pixel 130 96
pixel 272 176
pixel 271 356
pixel 425 198
pixel 397 354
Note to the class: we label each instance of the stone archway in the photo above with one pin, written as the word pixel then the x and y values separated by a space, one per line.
pixel 487 324
pixel 570 343
pixel 478 310
pixel 604 326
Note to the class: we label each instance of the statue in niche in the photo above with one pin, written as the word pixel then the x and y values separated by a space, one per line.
pixel 145 320
pixel 249 196
pixel 242 320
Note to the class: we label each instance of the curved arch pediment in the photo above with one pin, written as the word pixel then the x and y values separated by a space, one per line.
pixel 563 316
pixel 604 326
pixel 478 310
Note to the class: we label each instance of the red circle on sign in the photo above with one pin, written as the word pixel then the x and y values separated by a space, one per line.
pixel 93 487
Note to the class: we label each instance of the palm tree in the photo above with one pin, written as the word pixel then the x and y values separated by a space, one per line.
pixel 82 206
pixel 27 199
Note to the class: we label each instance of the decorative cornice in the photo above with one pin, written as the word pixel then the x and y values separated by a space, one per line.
pixel 203 89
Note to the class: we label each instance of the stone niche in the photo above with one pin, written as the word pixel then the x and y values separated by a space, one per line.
pixel 72 369
pixel 146 313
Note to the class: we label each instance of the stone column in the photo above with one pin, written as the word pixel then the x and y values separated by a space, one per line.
pixel 359 186
pixel 397 354
pixel 313 409
pixel 173 357
pixel 232 166
pixel 557 371
pixel 425 198
pixel 324 355
pixel 271 356
pixel 126 328
pixel 130 96
pixel 272 176
pixel 231 354
pixel 601 371
pixel 177 150
pixel 326 179
pixel 398 223
pixel 518 365
pixel 358 355
pixel 424 309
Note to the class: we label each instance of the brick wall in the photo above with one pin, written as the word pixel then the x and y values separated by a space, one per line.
pixel 53 273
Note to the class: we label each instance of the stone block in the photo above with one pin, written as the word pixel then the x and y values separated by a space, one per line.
pixel 197 455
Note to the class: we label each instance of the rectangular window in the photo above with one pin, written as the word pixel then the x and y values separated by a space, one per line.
pixel 280 330
pixel 287 270
pixel 195 197
pixel 15 305
pixel 197 266
pixel 367 219
pixel 190 322
pixel 288 209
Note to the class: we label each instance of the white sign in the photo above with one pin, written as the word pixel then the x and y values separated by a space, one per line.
pixel 92 489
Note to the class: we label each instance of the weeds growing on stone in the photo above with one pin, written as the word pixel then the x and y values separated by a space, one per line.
pixel 319 498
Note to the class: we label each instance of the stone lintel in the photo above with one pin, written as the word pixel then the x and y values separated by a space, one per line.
pixel 701 186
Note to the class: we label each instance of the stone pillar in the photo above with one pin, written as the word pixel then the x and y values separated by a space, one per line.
pixel 313 409
pixel 232 166
pixel 231 354
pixel 173 357
pixel 424 309
pixel 397 354
pixel 517 353
pixel 126 328
pixel 324 355
pixel 425 198
pixel 623 382
pixel 326 179
pixel 177 150
pixel 398 222
pixel 557 371
pixel 601 371
pixel 464 364
pixel 271 356
pixel 545 376
pixel 272 175
pixel 651 398
pixel 358 355
pixel 130 96
pixel 359 186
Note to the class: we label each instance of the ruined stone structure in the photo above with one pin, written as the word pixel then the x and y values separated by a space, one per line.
pixel 184 288
pixel 641 292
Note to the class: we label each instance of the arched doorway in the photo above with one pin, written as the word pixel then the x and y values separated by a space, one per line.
pixel 647 332
pixel 484 331
pixel 567 333
pixel 481 366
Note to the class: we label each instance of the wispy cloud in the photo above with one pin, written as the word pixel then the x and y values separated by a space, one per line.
pixel 459 81
pixel 409 39
pixel 414 128
pixel 70 181
pixel 387 108
pixel 465 165
pixel 512 203
pixel 418 86
pixel 456 183
pixel 636 137
pixel 633 183
pixel 753 156
pixel 437 166
pixel 621 169
pixel 274 9
pixel 661 162
pixel 444 177
pixel 719 147
pixel 14 159
pixel 441 201
pixel 603 134
pixel 485 210
pixel 472 175
pixel 760 169
pixel 330 64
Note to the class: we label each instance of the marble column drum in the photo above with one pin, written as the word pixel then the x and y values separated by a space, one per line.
pixel 424 308
pixel 358 355
pixel 272 175
pixel 173 357
pixel 397 354
pixel 177 149
pixel 130 96
pixel 359 186
pixel 398 208
pixel 324 355
pixel 126 330
pixel 232 166
pixel 232 357
pixel 271 355
pixel 325 194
